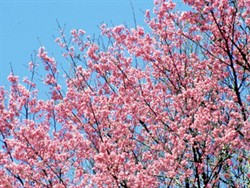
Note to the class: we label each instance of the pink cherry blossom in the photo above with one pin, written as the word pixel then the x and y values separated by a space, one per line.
pixel 163 106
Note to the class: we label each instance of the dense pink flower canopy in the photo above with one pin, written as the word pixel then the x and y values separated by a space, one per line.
pixel 163 106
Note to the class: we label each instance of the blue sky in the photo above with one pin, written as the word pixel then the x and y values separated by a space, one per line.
pixel 25 25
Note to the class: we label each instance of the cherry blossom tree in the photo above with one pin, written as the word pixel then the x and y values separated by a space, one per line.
pixel 164 106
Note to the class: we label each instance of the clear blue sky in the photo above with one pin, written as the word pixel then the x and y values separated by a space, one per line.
pixel 24 21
